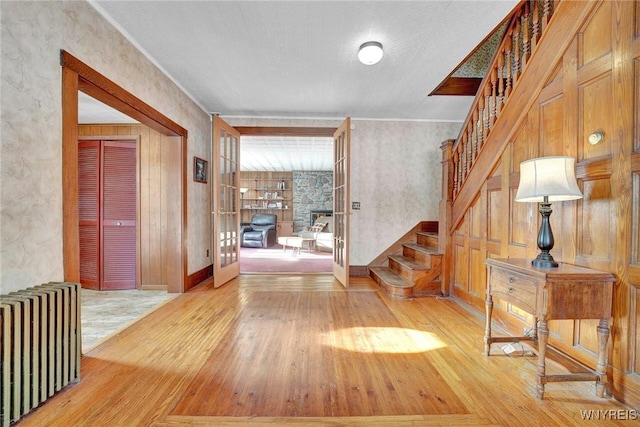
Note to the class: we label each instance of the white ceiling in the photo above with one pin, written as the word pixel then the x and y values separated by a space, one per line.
pixel 298 59
pixel 275 153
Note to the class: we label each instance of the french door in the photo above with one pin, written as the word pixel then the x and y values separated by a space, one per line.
pixel 341 202
pixel 226 206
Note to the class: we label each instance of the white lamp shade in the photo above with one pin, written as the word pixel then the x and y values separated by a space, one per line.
pixel 554 177
pixel 243 190
pixel 370 53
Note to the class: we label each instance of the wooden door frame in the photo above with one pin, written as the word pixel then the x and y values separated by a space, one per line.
pixel 77 76
pixel 293 131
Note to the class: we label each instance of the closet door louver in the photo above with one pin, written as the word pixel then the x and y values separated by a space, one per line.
pixel 118 215
pixel 89 203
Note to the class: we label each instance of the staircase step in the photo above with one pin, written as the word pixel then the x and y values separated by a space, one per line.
pixel 420 253
pixel 407 267
pixel 392 283
pixel 428 239
pixel 431 289
pixel 407 263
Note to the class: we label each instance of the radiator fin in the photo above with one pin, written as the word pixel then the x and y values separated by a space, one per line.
pixel 40 348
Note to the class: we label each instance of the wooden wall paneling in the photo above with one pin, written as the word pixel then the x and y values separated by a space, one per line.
pixel 477 218
pixel 595 226
pixel 623 97
pixel 478 248
pixel 495 211
pixel 595 37
pixel 460 260
pixel 598 88
pixel 637 21
pixel 478 283
pixel 586 337
pixel 152 180
pixel 551 127
pixel 634 329
pixel 596 111
pixel 173 242
pixel 145 208
pixel 156 212
pixel 165 151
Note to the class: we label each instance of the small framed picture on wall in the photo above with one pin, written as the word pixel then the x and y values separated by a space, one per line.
pixel 199 170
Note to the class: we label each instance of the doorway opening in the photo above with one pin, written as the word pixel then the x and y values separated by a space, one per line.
pixel 80 83
pixel 291 178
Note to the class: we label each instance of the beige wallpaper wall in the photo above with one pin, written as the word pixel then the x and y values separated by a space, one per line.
pixel 32 34
pixel 395 175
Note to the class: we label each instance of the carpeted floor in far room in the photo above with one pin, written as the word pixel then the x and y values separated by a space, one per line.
pixel 275 260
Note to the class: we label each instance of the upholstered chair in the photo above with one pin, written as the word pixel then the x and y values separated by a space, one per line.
pixel 261 233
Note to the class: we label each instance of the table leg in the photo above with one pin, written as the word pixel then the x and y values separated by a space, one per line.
pixel 601 366
pixel 543 338
pixel 487 330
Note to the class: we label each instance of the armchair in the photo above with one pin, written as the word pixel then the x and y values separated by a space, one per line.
pixel 261 233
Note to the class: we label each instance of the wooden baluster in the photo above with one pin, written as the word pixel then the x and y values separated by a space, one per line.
pixel 481 121
pixel 470 143
pixel 476 136
pixel 516 51
pixel 526 36
pixel 535 26
pixel 500 71
pixel 463 159
pixel 508 47
pixel 456 172
pixel 494 95
pixel 546 14
pixel 487 110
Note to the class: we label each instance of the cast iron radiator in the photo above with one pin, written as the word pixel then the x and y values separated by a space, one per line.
pixel 40 346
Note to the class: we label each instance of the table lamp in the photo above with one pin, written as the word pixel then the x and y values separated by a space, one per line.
pixel 545 180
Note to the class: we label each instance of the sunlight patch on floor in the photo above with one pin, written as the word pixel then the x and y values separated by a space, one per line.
pixel 383 340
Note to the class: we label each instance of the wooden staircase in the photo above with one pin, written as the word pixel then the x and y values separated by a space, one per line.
pixel 413 272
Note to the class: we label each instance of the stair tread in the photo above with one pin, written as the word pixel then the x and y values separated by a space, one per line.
pixel 423 248
pixel 391 278
pixel 409 262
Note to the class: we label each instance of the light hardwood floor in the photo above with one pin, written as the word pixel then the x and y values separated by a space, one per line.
pixel 301 350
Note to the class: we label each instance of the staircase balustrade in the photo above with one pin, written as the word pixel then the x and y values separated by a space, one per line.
pixel 519 41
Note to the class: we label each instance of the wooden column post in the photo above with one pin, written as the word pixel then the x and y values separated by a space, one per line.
pixel 444 232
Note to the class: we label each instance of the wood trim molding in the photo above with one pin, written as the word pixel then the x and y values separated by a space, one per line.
pixel 198 277
pixel 70 213
pixel 95 84
pixel 358 271
pixel 285 131
pixel 78 76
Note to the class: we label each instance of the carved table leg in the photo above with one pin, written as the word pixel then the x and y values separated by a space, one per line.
pixel 543 338
pixel 487 329
pixel 601 367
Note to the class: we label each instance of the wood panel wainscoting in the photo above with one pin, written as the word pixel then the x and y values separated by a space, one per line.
pixel 303 350
pixel 584 77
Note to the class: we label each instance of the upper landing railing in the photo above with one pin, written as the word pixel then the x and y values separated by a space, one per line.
pixel 519 41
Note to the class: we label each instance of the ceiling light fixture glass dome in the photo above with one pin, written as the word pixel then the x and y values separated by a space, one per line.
pixel 370 53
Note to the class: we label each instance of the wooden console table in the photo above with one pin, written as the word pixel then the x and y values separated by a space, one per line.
pixel 564 292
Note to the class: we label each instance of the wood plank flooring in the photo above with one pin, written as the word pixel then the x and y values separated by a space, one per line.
pixel 301 350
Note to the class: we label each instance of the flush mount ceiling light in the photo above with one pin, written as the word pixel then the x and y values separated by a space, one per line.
pixel 370 53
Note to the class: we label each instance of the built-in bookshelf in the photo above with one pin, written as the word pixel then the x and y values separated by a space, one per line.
pixel 268 192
